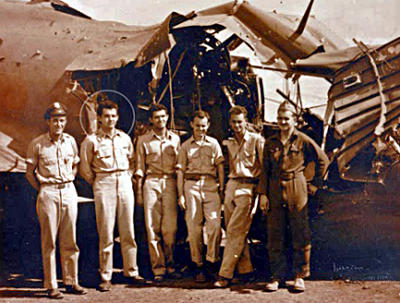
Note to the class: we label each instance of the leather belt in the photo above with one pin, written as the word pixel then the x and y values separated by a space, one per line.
pixel 112 173
pixel 197 177
pixel 161 176
pixel 246 180
pixel 57 185
pixel 290 175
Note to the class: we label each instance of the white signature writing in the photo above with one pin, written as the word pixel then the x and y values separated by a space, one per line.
pixel 352 267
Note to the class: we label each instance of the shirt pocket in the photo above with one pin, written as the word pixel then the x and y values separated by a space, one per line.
pixel 48 159
pixel 123 155
pixel 105 157
pixel 207 155
pixel 193 153
pixel 104 152
pixel 194 161
pixel 170 154
pixel 68 159
pixel 249 155
pixel 68 155
pixel 295 154
pixel 124 151
pixel 152 153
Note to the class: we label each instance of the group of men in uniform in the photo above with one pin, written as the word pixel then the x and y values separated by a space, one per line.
pixel 170 174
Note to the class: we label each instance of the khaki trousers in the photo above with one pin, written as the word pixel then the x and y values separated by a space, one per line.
pixel 114 200
pixel 57 210
pixel 160 210
pixel 203 209
pixel 238 206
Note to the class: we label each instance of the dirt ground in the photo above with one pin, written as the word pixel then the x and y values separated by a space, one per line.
pixel 355 257
pixel 187 291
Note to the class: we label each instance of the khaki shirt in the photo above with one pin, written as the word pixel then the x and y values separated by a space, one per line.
pixel 156 155
pixel 200 158
pixel 54 161
pixel 245 158
pixel 101 153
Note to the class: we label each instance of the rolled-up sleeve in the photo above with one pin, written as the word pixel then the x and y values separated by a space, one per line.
pixel 182 158
pixel 32 154
pixel 131 157
pixel 178 147
pixel 86 153
pixel 140 158
pixel 76 152
pixel 219 157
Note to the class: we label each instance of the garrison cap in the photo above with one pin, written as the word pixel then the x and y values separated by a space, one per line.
pixel 55 109
pixel 287 106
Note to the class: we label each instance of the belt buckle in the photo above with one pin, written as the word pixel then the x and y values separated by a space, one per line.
pixel 61 186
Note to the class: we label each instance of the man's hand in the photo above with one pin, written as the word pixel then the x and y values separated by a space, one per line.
pixel 264 204
pixel 182 202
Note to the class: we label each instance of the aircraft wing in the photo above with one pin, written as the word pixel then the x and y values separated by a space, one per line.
pixel 326 64
pixel 40 45
pixel 43 42
pixel 271 35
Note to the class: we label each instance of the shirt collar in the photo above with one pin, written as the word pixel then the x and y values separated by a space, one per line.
pixel 294 135
pixel 102 134
pixel 154 135
pixel 192 140
pixel 62 139
pixel 291 139
pixel 246 136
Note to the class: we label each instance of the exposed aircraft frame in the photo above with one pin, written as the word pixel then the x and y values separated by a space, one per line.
pixel 44 43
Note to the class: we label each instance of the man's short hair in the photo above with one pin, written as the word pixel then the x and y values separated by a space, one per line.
pixel 106 104
pixel 201 114
pixel 156 107
pixel 237 110
pixel 287 106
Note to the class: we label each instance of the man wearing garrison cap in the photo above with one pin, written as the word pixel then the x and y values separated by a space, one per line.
pixel 52 160
pixel 283 195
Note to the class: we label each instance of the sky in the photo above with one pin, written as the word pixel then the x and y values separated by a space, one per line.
pixel 368 20
pixel 371 21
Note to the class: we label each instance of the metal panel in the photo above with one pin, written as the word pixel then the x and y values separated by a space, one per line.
pixel 358 107
pixel 363 112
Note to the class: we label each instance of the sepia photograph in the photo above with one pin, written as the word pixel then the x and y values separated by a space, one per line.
pixel 199 151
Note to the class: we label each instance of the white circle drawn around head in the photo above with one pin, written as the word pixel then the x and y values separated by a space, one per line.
pixel 125 98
